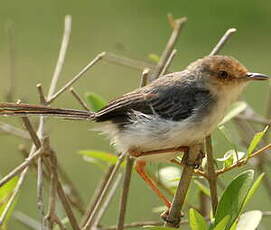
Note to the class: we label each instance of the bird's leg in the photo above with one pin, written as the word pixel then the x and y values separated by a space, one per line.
pixel 184 149
pixel 140 168
pixel 195 165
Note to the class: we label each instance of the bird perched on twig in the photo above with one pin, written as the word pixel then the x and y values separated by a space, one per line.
pixel 167 116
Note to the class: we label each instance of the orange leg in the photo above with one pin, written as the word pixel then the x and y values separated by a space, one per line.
pixel 178 149
pixel 140 168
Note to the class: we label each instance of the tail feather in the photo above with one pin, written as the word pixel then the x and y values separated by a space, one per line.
pixel 13 109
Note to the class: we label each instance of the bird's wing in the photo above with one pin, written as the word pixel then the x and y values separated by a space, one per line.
pixel 171 101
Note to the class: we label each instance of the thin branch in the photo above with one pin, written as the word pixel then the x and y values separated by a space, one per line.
pixel 13 196
pixel 62 54
pixel 144 77
pixel 107 201
pixel 125 191
pixel 26 220
pixel 9 129
pixel 75 78
pixel 79 99
pixel 169 61
pixel 41 94
pixel 178 25
pixel 174 216
pixel 212 177
pixel 222 41
pixel 32 132
pixel 60 191
pixel 244 161
pixel 128 62
pixel 103 194
pixel 27 162
pixel 96 195
pixel 12 58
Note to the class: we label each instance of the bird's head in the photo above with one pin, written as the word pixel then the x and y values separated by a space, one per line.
pixel 224 71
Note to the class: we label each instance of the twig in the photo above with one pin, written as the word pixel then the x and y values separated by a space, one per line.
pixel 212 177
pixel 28 161
pixel 79 99
pixel 62 54
pixel 26 220
pixel 9 129
pixel 31 131
pixel 243 161
pixel 222 41
pixel 167 64
pixel 40 202
pixel 91 218
pixel 107 200
pixel 60 191
pixel 76 77
pixel 174 216
pixel 144 77
pixel 41 93
pixel 12 59
pixel 125 191
pixel 178 25
pixel 13 196
pixel 96 195
pixel 128 62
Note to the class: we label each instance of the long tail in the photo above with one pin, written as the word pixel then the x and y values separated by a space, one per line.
pixel 13 109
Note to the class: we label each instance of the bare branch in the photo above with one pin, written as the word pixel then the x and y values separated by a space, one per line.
pixel 178 25
pixel 128 62
pixel 174 216
pixel 28 161
pixel 27 220
pixel 167 64
pixel 41 94
pixel 244 161
pixel 79 99
pixel 222 41
pixel 9 129
pixel 212 177
pixel 62 54
pixel 125 191
pixel 75 78
pixel 104 193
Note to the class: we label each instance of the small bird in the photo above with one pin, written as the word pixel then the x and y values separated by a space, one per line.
pixel 158 121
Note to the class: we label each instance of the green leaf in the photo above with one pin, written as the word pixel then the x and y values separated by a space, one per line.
pixel 5 194
pixel 95 101
pixel 249 220
pixel 202 188
pixel 154 57
pixel 95 156
pixel 158 228
pixel 233 198
pixel 256 140
pixel 234 110
pixel 253 189
pixel 197 221
pixel 222 224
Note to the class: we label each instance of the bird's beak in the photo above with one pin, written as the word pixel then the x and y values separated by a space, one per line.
pixel 257 76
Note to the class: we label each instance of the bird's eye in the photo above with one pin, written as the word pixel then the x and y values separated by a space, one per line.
pixel 223 74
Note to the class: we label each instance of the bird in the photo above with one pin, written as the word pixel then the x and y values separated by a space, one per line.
pixel 158 121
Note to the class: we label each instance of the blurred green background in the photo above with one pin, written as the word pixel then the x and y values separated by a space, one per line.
pixel 132 28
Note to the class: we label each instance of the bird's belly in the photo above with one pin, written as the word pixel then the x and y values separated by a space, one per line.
pixel 159 134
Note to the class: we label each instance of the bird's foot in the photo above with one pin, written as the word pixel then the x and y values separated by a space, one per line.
pixel 175 221
pixel 197 163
